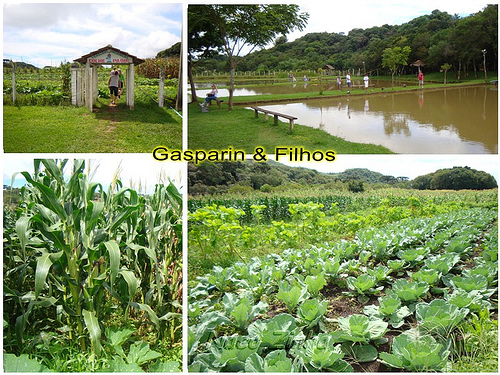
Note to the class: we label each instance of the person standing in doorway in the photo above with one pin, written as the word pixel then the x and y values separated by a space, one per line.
pixel 113 84
pixel 122 80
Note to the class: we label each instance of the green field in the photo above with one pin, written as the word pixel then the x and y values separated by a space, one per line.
pixel 379 281
pixel 107 129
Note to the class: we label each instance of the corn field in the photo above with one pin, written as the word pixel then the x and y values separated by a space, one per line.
pixel 92 278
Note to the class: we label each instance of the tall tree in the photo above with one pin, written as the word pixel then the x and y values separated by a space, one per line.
pixel 392 58
pixel 243 27
pixel 203 39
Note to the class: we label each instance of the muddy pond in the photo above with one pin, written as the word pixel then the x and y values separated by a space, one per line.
pixel 456 120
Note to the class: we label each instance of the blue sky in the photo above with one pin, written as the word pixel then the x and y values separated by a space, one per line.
pixel 48 33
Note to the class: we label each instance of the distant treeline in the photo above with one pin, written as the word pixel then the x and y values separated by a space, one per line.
pixel 436 39
pixel 239 177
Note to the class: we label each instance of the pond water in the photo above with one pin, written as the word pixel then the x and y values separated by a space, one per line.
pixel 460 120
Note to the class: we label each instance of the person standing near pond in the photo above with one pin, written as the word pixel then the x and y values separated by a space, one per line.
pixel 113 84
pixel 339 82
pixel 348 80
pixel 366 79
pixel 420 79
pixel 212 95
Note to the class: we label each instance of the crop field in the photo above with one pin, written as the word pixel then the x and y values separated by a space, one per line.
pixel 92 277
pixel 374 283
pixel 52 87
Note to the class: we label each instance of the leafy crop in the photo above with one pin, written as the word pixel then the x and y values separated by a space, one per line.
pixel 439 317
pixel 317 320
pixel 414 352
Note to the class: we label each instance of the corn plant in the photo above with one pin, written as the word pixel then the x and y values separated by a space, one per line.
pixel 74 254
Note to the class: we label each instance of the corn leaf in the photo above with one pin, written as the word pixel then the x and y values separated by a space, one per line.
pixel 149 310
pixel 131 281
pixel 23 231
pixel 122 216
pixel 94 330
pixel 49 197
pixel 43 264
pixel 114 259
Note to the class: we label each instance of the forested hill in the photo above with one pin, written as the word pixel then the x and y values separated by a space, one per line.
pixel 436 39
pixel 209 178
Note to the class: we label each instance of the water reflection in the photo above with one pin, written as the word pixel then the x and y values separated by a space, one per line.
pixel 458 120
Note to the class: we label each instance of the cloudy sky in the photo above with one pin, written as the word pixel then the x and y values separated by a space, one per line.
pixel 47 34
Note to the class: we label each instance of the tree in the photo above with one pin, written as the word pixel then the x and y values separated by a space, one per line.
pixel 250 26
pixel 392 58
pixel 203 39
pixel 445 68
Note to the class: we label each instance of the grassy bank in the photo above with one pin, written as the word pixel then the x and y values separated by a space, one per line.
pixel 107 129
pixel 328 90
pixel 239 128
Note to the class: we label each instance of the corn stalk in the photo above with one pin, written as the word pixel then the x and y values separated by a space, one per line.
pixel 73 246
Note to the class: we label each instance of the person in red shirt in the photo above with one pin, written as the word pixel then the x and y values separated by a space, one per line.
pixel 420 79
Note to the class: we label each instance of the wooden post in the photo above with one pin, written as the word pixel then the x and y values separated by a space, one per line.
pixel 95 92
pixel 77 87
pixel 161 89
pixel 14 92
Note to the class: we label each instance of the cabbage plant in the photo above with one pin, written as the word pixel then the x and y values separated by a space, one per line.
pixel 243 310
pixel 277 332
pixel 439 316
pixel 321 354
pixel 409 291
pixel 291 295
pixel 389 308
pixel 359 328
pixel 414 352
pixel 276 361
pixel 311 311
pixel 230 352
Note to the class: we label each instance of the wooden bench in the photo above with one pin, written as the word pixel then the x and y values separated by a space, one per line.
pixel 267 112
pixel 219 101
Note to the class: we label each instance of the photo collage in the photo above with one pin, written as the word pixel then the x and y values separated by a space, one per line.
pixel 250 187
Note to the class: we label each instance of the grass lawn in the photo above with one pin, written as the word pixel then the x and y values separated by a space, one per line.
pixel 238 128
pixel 75 130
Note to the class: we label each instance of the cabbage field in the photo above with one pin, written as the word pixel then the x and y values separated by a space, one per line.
pixel 402 282
pixel 92 276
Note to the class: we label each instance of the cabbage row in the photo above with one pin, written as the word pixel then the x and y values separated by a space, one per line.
pixel 413 282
